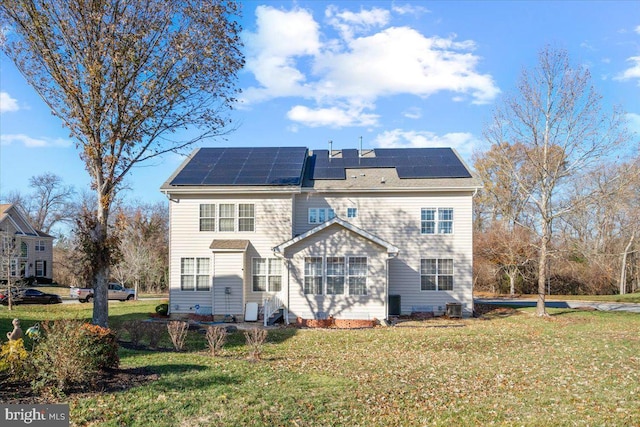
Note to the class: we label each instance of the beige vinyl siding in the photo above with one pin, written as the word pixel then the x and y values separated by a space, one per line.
pixel 272 227
pixel 335 241
pixel 395 217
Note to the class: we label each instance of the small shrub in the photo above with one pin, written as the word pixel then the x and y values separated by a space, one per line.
pixel 255 341
pixel 70 352
pixel 216 338
pixel 135 329
pixel 14 360
pixel 178 333
pixel 162 309
pixel 154 333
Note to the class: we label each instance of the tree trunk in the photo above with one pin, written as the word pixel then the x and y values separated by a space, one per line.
pixel 623 269
pixel 100 291
pixel 543 272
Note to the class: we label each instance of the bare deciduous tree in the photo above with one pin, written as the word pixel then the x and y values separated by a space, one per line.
pixel 556 118
pixel 124 77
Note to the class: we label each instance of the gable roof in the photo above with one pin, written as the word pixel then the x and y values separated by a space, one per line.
pixel 12 213
pixel 391 249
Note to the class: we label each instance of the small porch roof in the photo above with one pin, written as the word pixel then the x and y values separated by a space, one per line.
pixel 391 249
pixel 221 245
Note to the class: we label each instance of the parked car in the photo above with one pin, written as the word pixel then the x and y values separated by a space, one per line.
pixel 31 296
pixel 116 292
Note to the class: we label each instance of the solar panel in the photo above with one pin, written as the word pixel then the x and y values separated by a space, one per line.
pixel 244 166
pixel 408 162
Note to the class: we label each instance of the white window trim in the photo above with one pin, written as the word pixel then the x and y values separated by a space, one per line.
pixel 214 217
pixel 348 276
pixel 437 275
pixel 436 221
pixel 40 246
pixel 217 218
pixel 329 214
pixel 322 274
pixel 267 275
pixel 196 274
pixel 349 212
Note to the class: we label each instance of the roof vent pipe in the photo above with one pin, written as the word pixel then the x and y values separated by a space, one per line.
pixel 330 149
pixel 360 152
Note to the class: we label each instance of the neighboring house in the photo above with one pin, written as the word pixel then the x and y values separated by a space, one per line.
pixel 28 252
pixel 349 234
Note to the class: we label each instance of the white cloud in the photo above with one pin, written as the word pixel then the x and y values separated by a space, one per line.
pixel 332 117
pixel 409 9
pixel 349 23
pixel 289 56
pixel 637 29
pixel 7 103
pixel 633 72
pixel 29 142
pixel 463 142
pixel 412 113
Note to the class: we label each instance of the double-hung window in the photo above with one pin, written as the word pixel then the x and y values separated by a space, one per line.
pixel 436 274
pixel 226 217
pixel 313 276
pixel 246 217
pixel 194 274
pixel 207 217
pixel 320 215
pixel 39 246
pixel 335 275
pixel 267 275
pixel 357 275
pixel 436 221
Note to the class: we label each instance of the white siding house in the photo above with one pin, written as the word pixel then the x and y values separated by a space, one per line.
pixel 29 252
pixel 320 234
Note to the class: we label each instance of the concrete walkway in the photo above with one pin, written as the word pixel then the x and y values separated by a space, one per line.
pixel 602 306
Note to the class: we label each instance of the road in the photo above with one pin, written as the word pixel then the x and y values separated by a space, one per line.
pixel 602 306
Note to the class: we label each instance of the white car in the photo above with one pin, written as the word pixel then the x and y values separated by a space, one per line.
pixel 116 292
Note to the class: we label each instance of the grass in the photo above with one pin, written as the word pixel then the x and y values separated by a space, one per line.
pixel 511 368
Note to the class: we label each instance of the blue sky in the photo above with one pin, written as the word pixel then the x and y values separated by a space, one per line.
pixel 396 73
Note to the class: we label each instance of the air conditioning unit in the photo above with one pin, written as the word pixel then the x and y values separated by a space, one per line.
pixel 454 310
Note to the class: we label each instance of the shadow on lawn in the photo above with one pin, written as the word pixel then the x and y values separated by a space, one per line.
pixel 183 376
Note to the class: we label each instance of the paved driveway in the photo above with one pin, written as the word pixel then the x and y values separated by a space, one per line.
pixel 602 306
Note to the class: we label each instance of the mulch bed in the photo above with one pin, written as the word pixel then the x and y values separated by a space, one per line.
pixel 105 381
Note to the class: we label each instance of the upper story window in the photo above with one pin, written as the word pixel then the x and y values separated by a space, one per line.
pixel 320 215
pixel 436 274
pixel 436 221
pixel 207 217
pixel 39 246
pixel 246 217
pixel 352 212
pixel 227 217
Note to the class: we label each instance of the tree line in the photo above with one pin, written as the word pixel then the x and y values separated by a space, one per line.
pixel 138 235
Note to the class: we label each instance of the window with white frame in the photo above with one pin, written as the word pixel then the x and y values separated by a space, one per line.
pixel 226 217
pixel 320 215
pixel 207 217
pixel 352 212
pixel 246 217
pixel 335 275
pixel 313 276
pixel 39 246
pixel 436 274
pixel 194 274
pixel 357 275
pixel 41 269
pixel 267 274
pixel 436 221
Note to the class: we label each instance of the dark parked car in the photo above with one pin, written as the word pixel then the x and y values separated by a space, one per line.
pixel 31 296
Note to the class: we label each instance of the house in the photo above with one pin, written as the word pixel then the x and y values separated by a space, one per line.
pixel 26 251
pixel 348 234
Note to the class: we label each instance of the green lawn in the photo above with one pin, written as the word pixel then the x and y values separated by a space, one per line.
pixel 511 368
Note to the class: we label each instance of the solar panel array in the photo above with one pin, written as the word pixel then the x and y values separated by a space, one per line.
pixel 408 162
pixel 244 166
